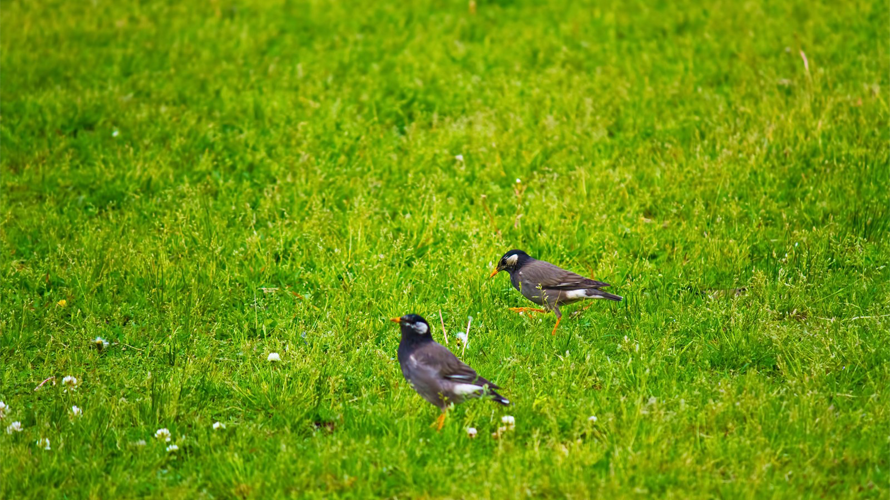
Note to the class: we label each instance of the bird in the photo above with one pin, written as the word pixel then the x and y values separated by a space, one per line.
pixel 435 372
pixel 547 285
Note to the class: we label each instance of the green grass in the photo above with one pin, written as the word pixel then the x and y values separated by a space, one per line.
pixel 162 163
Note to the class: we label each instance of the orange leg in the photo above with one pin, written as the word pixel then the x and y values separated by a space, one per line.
pixel 440 422
pixel 556 325
pixel 526 309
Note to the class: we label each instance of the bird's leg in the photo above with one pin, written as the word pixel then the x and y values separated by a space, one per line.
pixel 440 421
pixel 558 319
pixel 555 326
pixel 527 309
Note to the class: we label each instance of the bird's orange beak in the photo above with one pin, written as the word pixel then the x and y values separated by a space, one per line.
pixel 396 320
pixel 493 273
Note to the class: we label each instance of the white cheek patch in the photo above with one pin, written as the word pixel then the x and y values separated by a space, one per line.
pixel 420 328
pixel 511 260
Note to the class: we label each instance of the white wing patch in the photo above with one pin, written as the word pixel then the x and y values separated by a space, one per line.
pixel 420 328
pixel 575 294
pixel 463 389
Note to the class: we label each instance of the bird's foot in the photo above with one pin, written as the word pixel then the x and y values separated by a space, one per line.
pixel 526 309
pixel 579 312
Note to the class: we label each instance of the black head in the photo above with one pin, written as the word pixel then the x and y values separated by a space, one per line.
pixel 511 261
pixel 413 326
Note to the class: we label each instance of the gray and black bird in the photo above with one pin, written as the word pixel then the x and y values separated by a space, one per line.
pixel 436 373
pixel 547 285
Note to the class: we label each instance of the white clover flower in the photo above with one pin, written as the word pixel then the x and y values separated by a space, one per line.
pixel 141 442
pixel 172 448
pixel 14 427
pixel 218 425
pixel 70 383
pixel 273 356
pixel 76 411
pixel 3 409
pixel 115 133
pixel 163 434
pixel 471 432
pixel 509 421
pixel 591 418
pixel 462 337
pixel 459 157
pixel 100 343
pixel 44 443
pixel 518 181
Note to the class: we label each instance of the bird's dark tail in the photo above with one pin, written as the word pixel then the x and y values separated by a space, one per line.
pixel 599 294
pixel 497 398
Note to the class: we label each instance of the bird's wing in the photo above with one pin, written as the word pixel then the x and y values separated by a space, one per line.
pixel 549 277
pixel 438 357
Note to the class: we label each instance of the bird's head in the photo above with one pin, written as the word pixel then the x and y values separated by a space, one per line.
pixel 413 325
pixel 511 261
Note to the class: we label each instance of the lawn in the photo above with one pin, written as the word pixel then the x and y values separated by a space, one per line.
pixel 202 184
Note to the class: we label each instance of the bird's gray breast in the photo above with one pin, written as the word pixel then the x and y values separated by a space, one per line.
pixel 424 380
pixel 526 287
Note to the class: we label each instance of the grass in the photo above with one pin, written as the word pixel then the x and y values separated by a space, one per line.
pixel 723 164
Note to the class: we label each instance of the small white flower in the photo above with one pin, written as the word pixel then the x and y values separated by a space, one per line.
pixel 499 432
pixel 100 343
pixel 141 442
pixel 3 409
pixel 172 448
pixel 14 427
pixel 459 157
pixel 218 425
pixel 44 443
pixel 461 337
pixel 518 181
pixel 163 434
pixel 471 432
pixel 591 418
pixel 509 421
pixel 70 383
pixel 273 356
pixel 76 411
pixel 115 133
